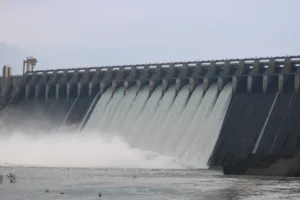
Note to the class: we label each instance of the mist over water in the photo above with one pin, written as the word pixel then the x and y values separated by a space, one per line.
pixel 80 150
pixel 32 139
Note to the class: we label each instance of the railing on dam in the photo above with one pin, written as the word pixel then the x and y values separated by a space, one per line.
pixel 279 59
pixel 264 74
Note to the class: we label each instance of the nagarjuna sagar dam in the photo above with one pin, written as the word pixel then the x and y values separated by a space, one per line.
pixel 200 112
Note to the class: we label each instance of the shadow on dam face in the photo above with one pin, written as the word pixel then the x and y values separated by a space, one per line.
pixel 287 139
pixel 276 120
pixel 259 124
pixel 241 128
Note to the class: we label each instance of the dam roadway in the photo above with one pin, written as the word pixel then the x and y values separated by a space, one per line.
pixel 260 117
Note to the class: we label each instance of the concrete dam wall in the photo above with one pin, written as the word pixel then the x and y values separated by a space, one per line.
pixel 201 113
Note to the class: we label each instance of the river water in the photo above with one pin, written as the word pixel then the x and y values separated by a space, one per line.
pixel 130 184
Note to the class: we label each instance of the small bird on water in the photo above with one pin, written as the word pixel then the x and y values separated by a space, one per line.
pixel 100 194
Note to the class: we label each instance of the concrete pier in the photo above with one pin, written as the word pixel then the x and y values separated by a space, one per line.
pixel 168 79
pixel 282 78
pixel 40 87
pixel 155 78
pixel 143 78
pixel 238 76
pixel 119 79
pixel 72 84
pixel 131 78
pixel 197 77
pixel 106 82
pixel 208 78
pixel 5 86
pixel 30 86
pixel 50 89
pixel 297 80
pixel 5 80
pixel 181 79
pixel 83 83
pixel 94 82
pixel 267 78
pixel 61 85
pixel 224 75
pixel 253 75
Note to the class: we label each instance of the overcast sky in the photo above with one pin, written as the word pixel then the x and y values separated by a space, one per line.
pixel 103 32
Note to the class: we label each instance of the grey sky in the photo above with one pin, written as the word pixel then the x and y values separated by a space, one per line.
pixel 102 32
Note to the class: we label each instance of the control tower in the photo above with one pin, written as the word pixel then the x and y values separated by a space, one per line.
pixel 29 64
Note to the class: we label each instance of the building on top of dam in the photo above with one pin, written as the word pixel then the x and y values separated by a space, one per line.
pixel 258 114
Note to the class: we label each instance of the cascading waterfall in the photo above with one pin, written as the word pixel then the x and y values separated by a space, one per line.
pixel 138 133
pixel 198 122
pixel 166 129
pixel 136 109
pixel 122 111
pixel 110 110
pixel 202 149
pixel 98 112
pixel 88 112
pixel 183 127
pixel 178 130
pixel 152 129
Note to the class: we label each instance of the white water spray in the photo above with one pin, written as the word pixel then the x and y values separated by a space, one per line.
pixel 85 150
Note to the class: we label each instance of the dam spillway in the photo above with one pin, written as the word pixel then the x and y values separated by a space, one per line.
pixel 201 113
